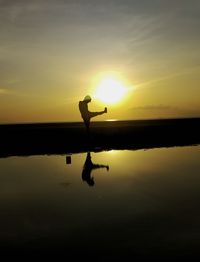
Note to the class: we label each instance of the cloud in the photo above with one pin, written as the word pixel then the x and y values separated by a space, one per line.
pixel 185 70
pixel 3 91
pixel 153 107
pixel 6 91
pixel 166 109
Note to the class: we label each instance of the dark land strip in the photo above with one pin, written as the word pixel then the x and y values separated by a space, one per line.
pixel 66 138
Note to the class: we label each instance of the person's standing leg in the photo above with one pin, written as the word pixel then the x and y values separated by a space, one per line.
pixel 87 125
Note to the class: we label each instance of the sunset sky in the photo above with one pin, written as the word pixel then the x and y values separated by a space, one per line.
pixel 55 52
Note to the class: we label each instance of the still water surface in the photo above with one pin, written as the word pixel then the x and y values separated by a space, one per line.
pixel 115 202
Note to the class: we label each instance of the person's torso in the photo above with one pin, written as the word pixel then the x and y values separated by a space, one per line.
pixel 83 107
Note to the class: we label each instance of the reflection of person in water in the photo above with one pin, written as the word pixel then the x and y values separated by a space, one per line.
pixel 87 169
pixel 86 114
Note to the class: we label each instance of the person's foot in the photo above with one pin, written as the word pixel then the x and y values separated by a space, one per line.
pixel 105 110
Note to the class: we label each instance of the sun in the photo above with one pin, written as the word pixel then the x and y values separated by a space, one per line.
pixel 110 90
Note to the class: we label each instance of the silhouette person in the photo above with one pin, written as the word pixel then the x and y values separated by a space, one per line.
pixel 86 114
pixel 87 170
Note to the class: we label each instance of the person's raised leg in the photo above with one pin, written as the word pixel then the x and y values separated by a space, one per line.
pixel 93 114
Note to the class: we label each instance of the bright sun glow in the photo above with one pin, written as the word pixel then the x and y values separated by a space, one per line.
pixel 110 91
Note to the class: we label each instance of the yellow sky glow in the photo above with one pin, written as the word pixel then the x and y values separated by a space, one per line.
pixel 140 59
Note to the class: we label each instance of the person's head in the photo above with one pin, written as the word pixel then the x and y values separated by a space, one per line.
pixel 87 99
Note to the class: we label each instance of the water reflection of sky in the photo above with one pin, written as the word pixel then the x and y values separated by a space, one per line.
pixel 143 200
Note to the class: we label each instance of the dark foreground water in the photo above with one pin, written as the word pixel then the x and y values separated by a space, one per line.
pixel 102 205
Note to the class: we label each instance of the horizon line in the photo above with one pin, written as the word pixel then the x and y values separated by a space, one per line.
pixel 108 120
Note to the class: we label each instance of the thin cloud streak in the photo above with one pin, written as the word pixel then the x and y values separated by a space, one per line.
pixel 171 76
pixel 4 91
pixel 153 107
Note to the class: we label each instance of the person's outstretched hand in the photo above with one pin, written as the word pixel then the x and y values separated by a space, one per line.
pixel 105 110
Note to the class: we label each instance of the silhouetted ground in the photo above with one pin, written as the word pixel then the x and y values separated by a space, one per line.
pixel 155 234
pixel 64 138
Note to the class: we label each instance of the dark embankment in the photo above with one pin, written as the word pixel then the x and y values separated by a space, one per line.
pixel 64 138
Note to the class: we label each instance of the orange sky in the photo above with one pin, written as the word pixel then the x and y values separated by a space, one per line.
pixel 51 52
